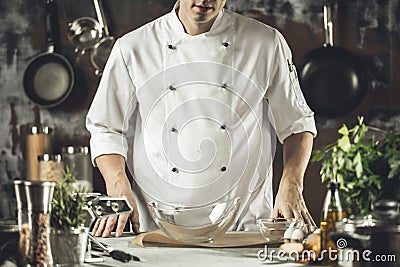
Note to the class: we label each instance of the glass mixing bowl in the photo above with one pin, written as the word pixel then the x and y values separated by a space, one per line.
pixel 195 224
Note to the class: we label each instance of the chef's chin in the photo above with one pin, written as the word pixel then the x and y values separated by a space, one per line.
pixel 203 17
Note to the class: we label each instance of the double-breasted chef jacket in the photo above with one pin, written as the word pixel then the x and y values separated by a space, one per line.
pixel 196 117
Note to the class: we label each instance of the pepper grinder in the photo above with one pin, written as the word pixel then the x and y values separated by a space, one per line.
pixel 39 196
pixel 23 222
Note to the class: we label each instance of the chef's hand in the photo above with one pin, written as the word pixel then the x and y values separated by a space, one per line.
pixel 289 203
pixel 112 167
pixel 104 226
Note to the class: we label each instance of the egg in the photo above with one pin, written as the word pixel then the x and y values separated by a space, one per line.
pixel 287 235
pixel 297 235
pixel 289 248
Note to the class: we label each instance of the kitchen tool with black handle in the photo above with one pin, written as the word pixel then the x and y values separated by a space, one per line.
pixel 114 253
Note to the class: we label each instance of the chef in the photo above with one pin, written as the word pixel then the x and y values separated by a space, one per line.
pixel 192 103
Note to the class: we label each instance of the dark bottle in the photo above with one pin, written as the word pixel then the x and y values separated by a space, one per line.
pixel 332 212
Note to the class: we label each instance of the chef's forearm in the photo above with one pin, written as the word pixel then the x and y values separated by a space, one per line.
pixel 296 155
pixel 112 168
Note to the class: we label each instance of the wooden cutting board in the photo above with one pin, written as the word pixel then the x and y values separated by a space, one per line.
pixel 229 239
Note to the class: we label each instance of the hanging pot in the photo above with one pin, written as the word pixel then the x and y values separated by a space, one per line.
pixel 332 79
pixel 85 33
pixel 49 78
pixel 101 51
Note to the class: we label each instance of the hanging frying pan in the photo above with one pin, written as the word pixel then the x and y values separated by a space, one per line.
pixel 332 79
pixel 102 49
pixel 49 77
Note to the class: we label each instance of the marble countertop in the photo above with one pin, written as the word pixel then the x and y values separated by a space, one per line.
pixel 259 255
pixel 173 257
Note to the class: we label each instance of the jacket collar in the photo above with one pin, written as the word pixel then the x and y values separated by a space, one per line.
pixel 177 26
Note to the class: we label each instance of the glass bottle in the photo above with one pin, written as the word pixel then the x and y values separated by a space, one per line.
pixel 332 212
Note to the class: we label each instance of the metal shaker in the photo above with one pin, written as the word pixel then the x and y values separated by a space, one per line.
pixel 23 222
pixel 22 205
pixel 39 196
pixel 77 159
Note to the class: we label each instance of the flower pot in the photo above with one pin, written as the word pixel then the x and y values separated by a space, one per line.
pixel 68 247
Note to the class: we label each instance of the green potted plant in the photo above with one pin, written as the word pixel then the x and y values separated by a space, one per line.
pixel 388 165
pixel 365 161
pixel 68 236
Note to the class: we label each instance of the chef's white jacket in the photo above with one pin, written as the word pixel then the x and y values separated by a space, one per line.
pixel 196 117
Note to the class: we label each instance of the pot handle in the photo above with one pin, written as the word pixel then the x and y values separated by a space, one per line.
pixel 51 24
pixel 100 16
pixel 328 24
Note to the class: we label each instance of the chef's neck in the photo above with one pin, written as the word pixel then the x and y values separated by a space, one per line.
pixel 192 26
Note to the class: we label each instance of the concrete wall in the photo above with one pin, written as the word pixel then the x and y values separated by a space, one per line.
pixel 369 29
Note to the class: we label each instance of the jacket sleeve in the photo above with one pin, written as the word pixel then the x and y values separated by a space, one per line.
pixel 289 109
pixel 112 107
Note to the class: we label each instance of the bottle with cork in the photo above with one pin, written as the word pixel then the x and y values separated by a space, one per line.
pixel 332 212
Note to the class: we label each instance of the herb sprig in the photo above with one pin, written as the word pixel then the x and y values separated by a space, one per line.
pixel 361 160
pixel 67 204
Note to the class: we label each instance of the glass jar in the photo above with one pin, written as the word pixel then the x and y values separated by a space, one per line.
pixel 51 167
pixel 38 142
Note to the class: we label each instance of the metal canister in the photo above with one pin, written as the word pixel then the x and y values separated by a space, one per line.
pixel 77 159
pixel 32 246
pixel 39 196
pixel 377 234
pixel 38 142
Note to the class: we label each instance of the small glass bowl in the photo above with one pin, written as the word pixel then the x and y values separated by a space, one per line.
pixel 274 229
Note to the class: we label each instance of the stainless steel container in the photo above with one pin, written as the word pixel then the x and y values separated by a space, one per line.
pixel 373 238
pixel 77 159
pixel 35 237
pixel 22 204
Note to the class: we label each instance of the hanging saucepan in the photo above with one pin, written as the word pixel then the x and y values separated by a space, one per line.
pixel 332 79
pixel 49 77
pixel 85 33
pixel 102 49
